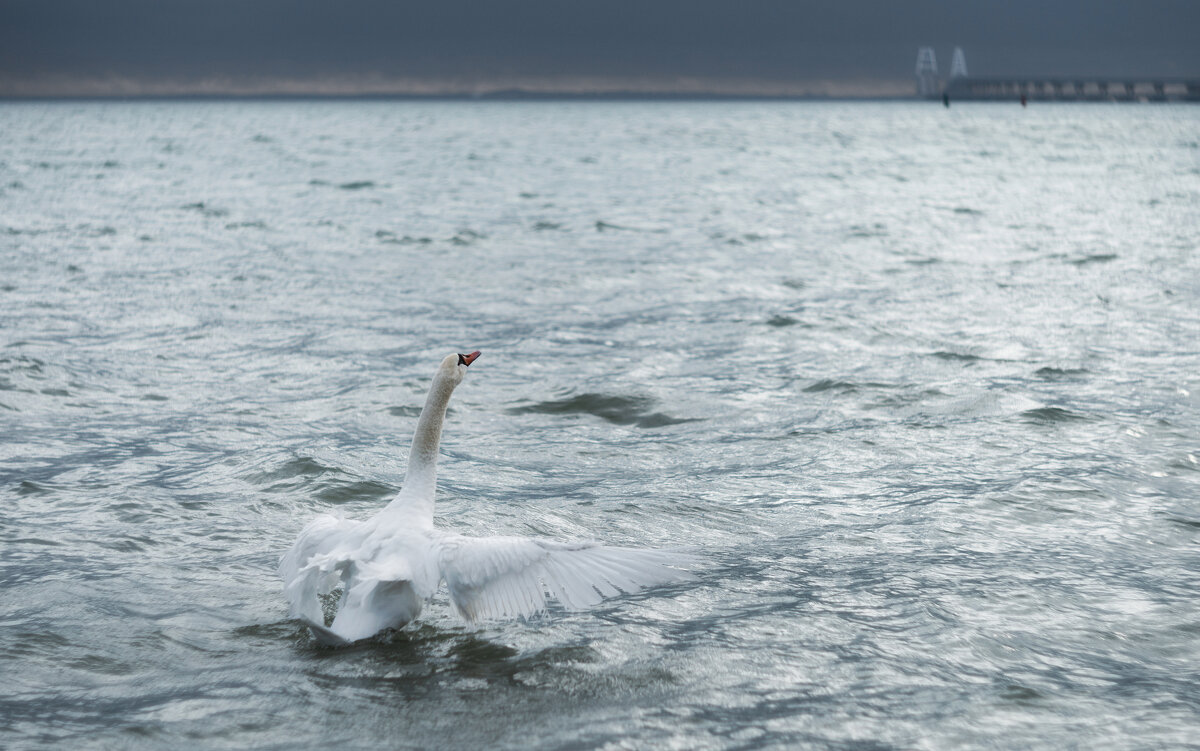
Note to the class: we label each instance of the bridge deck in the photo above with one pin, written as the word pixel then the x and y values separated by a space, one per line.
pixel 1075 88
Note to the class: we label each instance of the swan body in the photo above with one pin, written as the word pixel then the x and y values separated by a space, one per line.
pixel 389 565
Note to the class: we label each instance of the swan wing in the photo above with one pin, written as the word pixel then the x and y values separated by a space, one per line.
pixel 314 564
pixel 509 577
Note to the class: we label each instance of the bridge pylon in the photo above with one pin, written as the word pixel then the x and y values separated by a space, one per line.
pixel 958 66
pixel 927 73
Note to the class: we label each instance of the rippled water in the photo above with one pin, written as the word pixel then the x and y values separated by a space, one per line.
pixel 921 384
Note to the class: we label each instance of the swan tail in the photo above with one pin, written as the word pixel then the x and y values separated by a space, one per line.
pixel 370 606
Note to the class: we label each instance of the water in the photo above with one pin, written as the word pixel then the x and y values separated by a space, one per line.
pixel 921 384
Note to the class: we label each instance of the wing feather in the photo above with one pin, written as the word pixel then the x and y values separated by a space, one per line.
pixel 574 581
pixel 621 574
pixel 498 577
pixel 508 597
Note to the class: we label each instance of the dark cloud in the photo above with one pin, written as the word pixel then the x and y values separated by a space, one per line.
pixel 768 39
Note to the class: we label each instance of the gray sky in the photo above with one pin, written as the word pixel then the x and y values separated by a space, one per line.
pixel 507 40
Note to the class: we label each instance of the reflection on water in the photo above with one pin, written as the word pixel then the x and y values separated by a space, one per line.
pixel 921 384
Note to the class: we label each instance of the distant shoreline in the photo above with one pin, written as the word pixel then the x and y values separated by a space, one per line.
pixel 501 88
pixel 503 96
pixel 545 89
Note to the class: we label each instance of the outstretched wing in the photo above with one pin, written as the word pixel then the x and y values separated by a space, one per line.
pixel 508 577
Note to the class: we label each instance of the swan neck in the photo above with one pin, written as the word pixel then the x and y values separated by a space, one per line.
pixel 421 477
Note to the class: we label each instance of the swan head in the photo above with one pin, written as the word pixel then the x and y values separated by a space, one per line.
pixel 454 367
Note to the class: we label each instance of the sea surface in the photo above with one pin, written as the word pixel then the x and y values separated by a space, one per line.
pixel 921 385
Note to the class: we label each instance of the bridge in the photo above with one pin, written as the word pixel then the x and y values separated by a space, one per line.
pixel 962 85
pixel 1074 88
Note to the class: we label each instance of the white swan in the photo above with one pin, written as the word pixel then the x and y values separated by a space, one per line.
pixel 389 565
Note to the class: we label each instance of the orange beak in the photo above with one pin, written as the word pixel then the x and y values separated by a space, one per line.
pixel 468 359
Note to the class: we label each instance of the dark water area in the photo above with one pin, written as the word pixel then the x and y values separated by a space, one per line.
pixel 920 384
